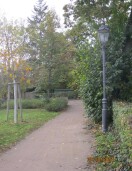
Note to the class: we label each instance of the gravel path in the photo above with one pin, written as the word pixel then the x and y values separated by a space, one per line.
pixel 62 144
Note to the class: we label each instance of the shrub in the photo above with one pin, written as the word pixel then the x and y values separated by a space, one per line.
pixel 72 95
pixel 32 103
pixel 56 104
pixel 26 104
pixel 69 94
pixel 90 80
pixel 90 83
pixel 117 142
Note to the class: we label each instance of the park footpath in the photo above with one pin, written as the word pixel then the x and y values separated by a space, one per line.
pixel 62 144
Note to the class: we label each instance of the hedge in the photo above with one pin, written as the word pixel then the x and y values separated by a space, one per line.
pixel 117 142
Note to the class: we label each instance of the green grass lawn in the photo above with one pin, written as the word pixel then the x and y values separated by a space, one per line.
pixel 11 133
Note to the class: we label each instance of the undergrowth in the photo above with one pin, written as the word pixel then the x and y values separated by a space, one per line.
pixel 117 142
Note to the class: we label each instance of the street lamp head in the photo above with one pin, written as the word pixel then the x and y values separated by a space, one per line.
pixel 103 33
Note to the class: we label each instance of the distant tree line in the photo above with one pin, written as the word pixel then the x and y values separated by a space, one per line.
pixel 36 53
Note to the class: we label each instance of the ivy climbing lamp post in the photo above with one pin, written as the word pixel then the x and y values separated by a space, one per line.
pixel 103 33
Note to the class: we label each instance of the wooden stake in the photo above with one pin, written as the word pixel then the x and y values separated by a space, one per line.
pixel 15 103
pixel 17 94
pixel 20 101
pixel 8 99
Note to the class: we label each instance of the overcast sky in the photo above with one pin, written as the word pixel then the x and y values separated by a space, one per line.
pixel 23 8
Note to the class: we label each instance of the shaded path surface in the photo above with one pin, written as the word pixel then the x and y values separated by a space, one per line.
pixel 60 145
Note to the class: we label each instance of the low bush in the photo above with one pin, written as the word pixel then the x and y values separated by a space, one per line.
pixel 72 95
pixel 32 103
pixel 26 104
pixel 56 104
pixel 116 143
pixel 68 94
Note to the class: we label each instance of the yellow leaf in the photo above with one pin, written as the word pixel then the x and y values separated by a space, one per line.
pixel 28 81
pixel 10 75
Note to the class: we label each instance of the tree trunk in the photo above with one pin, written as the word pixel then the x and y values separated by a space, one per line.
pixel 49 83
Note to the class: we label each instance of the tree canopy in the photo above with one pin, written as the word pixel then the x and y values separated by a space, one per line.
pixel 48 49
pixel 36 54
pixel 84 17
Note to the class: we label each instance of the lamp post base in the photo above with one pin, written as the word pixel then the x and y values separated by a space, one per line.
pixel 104 115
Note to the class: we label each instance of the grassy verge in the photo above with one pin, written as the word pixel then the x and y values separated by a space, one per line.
pixel 11 133
pixel 114 149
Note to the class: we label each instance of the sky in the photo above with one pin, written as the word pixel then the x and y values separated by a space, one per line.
pixel 17 9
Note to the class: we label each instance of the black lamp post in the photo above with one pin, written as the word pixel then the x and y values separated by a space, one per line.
pixel 103 33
